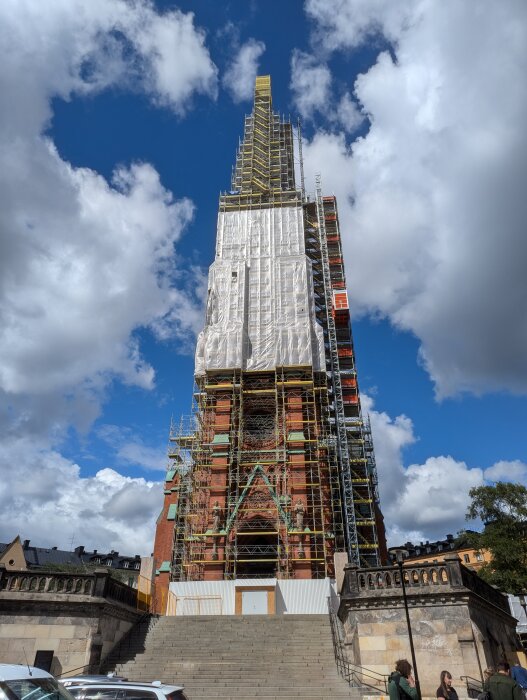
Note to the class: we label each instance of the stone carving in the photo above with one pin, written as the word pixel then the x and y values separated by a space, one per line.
pixel 216 515
pixel 299 515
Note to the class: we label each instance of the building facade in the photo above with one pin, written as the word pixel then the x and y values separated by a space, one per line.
pixel 274 475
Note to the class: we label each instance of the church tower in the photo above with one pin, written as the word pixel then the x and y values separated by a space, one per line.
pixel 274 475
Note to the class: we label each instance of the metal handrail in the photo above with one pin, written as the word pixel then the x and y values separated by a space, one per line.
pixel 352 673
pixel 474 686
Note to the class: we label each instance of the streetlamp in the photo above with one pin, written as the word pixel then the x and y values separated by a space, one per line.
pixel 400 558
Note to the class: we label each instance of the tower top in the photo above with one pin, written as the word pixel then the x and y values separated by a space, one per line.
pixel 264 170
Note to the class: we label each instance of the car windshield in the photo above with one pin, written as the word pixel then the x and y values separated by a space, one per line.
pixel 33 689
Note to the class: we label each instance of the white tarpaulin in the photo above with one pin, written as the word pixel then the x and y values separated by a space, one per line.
pixel 260 308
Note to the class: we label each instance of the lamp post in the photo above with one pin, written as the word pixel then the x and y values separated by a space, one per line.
pixel 399 557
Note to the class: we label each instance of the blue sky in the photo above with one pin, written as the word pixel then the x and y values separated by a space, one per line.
pixel 119 131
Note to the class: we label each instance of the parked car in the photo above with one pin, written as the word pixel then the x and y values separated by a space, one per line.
pixel 19 682
pixel 122 690
pixel 84 680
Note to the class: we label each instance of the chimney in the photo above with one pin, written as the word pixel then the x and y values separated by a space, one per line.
pixel 54 549
pixel 79 550
pixel 26 544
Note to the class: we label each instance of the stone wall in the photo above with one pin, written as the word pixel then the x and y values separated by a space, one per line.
pixel 79 618
pixel 459 623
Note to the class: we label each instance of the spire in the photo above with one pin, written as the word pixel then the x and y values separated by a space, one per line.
pixel 265 159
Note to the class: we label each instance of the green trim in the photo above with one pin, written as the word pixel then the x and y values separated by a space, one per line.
pixel 221 439
pixel 164 568
pixel 281 511
pixel 296 436
pixel 172 511
pixel 170 474
pixel 167 492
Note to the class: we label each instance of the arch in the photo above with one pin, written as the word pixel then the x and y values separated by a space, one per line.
pixel 443 576
pixel 388 580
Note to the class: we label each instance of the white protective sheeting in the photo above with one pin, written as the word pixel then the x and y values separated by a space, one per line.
pixel 297 596
pixel 260 308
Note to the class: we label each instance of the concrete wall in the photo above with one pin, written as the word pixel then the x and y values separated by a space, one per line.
pixel 80 629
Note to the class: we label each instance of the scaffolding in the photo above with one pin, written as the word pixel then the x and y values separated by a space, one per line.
pixel 259 444
pixel 274 472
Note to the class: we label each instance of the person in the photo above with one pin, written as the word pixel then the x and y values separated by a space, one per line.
pixel 502 687
pixel 401 684
pixel 445 690
pixel 519 674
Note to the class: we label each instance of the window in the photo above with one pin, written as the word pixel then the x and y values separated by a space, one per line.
pixel 126 564
pixel 139 695
pixel 479 556
pixel 100 693
pixel 109 562
pixel 466 558
pixel 137 565
pixel 35 688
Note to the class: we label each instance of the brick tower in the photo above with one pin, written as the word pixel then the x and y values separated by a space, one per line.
pixel 275 472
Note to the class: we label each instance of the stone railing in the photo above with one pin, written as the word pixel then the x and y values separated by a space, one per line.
pixel 97 584
pixel 420 579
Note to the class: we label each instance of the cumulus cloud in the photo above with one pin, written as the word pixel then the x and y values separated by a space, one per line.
pixel 54 502
pixel 347 114
pixel 504 470
pixel 431 198
pixel 425 501
pixel 240 75
pixel 86 262
pixel 130 449
pixel 310 83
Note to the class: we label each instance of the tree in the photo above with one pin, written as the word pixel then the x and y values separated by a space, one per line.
pixel 503 510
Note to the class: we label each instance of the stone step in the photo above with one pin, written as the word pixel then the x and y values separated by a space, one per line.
pixel 237 657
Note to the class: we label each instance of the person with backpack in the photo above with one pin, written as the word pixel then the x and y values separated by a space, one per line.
pixel 401 683
pixel 445 690
pixel 502 687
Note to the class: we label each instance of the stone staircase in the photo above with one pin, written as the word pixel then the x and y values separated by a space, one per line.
pixel 244 657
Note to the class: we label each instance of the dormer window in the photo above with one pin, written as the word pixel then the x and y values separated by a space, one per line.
pixel 109 562
pixel 126 564
pixel 137 565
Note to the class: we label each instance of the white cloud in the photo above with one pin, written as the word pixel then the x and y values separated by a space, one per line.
pixel 504 470
pixel 240 75
pixel 130 449
pixel 348 115
pixel 425 501
pixel 48 498
pixel 310 83
pixel 432 199
pixel 84 262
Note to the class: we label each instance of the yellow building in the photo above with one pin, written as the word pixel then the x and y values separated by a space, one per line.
pixel 435 552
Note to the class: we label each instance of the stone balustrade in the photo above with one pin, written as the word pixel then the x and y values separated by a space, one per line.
pixel 419 579
pixel 97 584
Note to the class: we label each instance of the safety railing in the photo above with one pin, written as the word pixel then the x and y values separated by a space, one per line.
pixel 357 676
pixel 474 686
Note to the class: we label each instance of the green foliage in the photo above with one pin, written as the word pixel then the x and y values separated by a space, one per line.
pixel 503 510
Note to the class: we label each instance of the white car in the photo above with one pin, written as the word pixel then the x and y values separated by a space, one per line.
pixel 84 680
pixel 19 682
pixel 127 691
